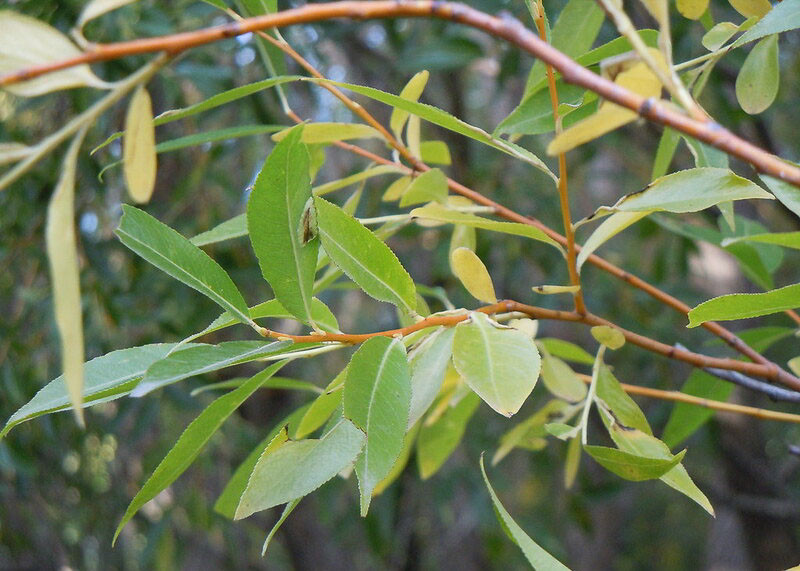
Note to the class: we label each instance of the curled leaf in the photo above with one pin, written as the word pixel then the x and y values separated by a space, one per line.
pixel 139 147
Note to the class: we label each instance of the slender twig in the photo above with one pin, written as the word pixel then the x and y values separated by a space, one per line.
pixel 563 192
pixel 506 28
pixel 677 396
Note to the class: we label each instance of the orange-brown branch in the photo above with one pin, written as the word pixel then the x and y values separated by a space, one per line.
pixel 508 29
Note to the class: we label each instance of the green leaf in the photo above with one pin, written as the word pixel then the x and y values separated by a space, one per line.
pixel 538 558
pixel 566 350
pixel 27 42
pixel 639 443
pixel 298 468
pixel 172 253
pixel 574 33
pixel 105 378
pixel 363 257
pixel 281 383
pixel 195 361
pixel 428 362
pixel 783 17
pixel 631 466
pixel 625 409
pixel 758 80
pixel 716 37
pixel 377 396
pixel 427 187
pixel 608 336
pixel 785 239
pixel 192 441
pixel 286 512
pixel 610 227
pixel 706 155
pixel 534 115
pixel 435 153
pixel 446 120
pixel 412 91
pixel 788 194
pixel 689 190
pixel 354 178
pixel 440 213
pixel 500 364
pixel 277 216
pixel 229 498
pixel 331 132
pixel 438 440
pixel 62 256
pixel 743 305
pixel 323 406
pixel 685 418
pixel 236 227
pixel 530 433
pixel 97 8
pixel 561 380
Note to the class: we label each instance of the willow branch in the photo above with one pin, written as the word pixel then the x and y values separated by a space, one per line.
pixel 506 28
pixel 563 190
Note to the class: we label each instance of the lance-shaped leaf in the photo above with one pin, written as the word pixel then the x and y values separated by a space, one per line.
pixel 782 18
pixel 105 378
pixel 625 409
pixel 377 396
pixel 499 363
pixel 561 380
pixel 685 418
pixel 538 558
pixel 428 362
pixel 139 147
pixel 363 257
pixel 298 468
pixel 474 276
pixel 751 8
pixel 62 254
pixel 438 440
pixel 785 239
pixel 26 42
pixel 323 406
pixel 639 443
pixel 412 91
pixel 235 227
pixel 331 132
pixel 743 305
pixel 632 466
pixel 609 228
pixel 566 350
pixel 440 213
pixel 195 361
pixel 427 187
pixel 278 208
pixel 689 190
pixel 758 80
pixel 172 253
pixel 192 441
pixel 788 194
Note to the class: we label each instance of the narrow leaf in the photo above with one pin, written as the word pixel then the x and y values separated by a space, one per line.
pixel 331 132
pixel 27 42
pixel 428 362
pixel 500 364
pixel 625 409
pixel 275 215
pixel 298 468
pixel 172 253
pixel 438 440
pixel 322 408
pixel 474 276
pixel 139 147
pixel 412 91
pixel 192 441
pixel 538 558
pixel 561 380
pixel 62 255
pixel 428 187
pixel 743 305
pixel 286 512
pixel 785 239
pixel 692 9
pixel 788 194
pixel 566 350
pixel 235 227
pixel 609 228
pixel 201 359
pixel 632 466
pixel 440 213
pixel 377 396
pixel 685 418
pixel 364 257
pixel 783 17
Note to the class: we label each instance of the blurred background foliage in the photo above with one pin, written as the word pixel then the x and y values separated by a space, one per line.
pixel 62 490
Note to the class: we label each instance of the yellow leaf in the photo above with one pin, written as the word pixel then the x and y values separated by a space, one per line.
pixel 658 9
pixel 139 147
pixel 411 91
pixel 97 8
pixel 608 336
pixel 473 274
pixel 692 9
pixel 62 253
pixel 26 42
pixel 751 8
pixel 637 78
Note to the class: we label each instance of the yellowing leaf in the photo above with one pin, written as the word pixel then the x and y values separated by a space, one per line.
pixel 751 8
pixel 610 227
pixel 62 253
pixel 411 91
pixel 692 9
pixel 758 80
pixel 332 132
pixel 139 147
pixel 639 79
pixel 659 10
pixel 26 42
pixel 608 336
pixel 473 274
pixel 97 8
